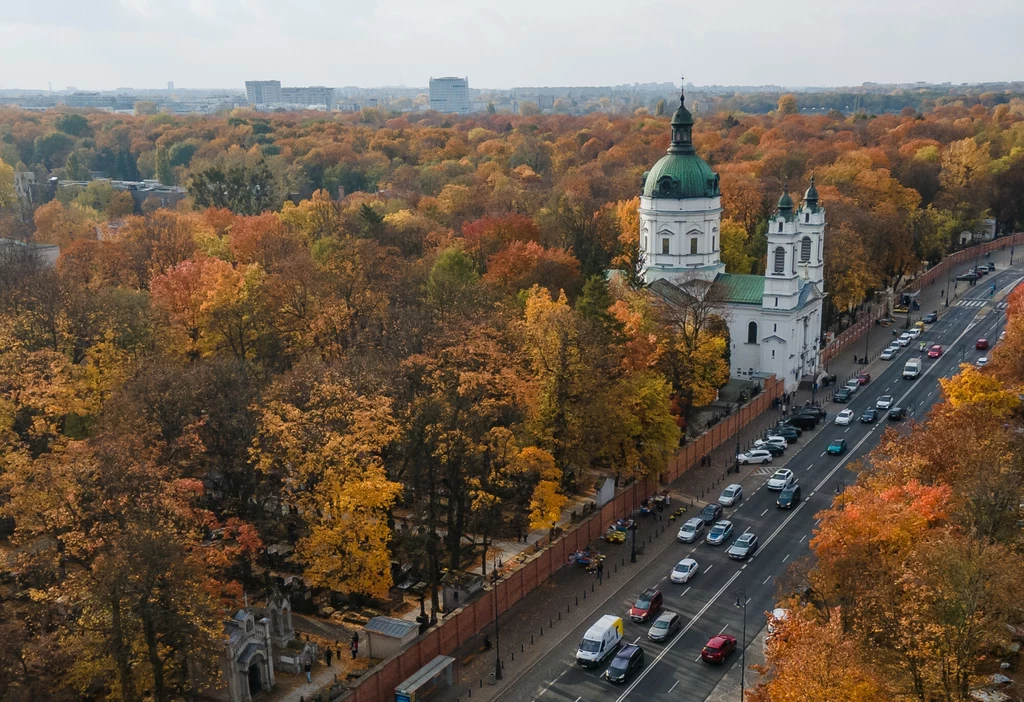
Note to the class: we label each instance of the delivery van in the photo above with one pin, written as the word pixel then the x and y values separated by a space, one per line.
pixel 912 369
pixel 600 642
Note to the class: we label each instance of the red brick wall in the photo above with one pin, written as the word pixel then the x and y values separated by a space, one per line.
pixel 379 684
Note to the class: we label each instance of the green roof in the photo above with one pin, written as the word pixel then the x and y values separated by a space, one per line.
pixel 681 176
pixel 741 289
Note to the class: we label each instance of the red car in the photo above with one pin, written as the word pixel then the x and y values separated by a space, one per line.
pixel 981 344
pixel 864 378
pixel 718 648
pixel 935 351
pixel 647 604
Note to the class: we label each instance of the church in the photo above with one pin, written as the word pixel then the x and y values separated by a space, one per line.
pixel 774 320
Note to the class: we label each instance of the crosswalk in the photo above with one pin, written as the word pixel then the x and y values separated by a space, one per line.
pixel 979 303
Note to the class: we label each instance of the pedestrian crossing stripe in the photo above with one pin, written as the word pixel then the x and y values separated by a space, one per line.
pixel 979 303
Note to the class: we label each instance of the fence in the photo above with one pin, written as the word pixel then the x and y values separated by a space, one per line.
pixel 378 685
pixel 930 276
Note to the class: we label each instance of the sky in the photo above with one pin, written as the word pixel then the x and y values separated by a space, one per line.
pixel 107 44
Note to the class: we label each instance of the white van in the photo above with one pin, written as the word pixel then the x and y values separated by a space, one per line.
pixel 600 641
pixel 912 369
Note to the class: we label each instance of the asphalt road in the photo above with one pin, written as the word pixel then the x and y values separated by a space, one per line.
pixel 708 604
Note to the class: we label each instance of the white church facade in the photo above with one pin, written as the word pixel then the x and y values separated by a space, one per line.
pixel 774 320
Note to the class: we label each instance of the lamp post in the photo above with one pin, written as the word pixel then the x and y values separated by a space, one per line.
pixel 497 636
pixel 741 601
pixel 949 272
pixel 632 549
pixel 963 352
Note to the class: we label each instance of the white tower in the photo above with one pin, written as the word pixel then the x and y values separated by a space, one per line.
pixel 811 238
pixel 681 211
pixel 781 277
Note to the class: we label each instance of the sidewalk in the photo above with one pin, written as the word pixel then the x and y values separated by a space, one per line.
pixel 728 688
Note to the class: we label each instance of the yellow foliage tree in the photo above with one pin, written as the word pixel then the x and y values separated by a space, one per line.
pixel 972 388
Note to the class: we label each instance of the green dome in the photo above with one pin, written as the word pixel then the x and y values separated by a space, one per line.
pixel 681 176
pixel 785 202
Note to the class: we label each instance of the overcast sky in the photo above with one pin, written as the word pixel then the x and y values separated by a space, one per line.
pixel 106 44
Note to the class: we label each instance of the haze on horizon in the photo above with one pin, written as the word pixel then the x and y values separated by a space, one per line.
pixel 106 44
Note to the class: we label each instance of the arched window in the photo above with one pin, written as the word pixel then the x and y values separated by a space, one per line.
pixel 779 267
pixel 752 333
pixel 780 226
pixel 693 245
pixel 807 216
pixel 805 249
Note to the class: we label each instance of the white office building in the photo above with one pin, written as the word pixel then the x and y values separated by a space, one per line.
pixel 450 95
pixel 263 92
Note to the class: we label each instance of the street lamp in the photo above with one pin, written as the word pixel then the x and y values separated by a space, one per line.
pixel 497 636
pixel 963 352
pixel 737 459
pixel 632 550
pixel 741 601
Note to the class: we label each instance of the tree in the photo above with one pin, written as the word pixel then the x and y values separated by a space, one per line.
pixel 163 167
pixel 524 264
pixel 787 105
pixel 73 124
pixel 734 248
pixel 8 197
pixel 451 281
pixel 630 259
pixel 243 190
pixel 74 169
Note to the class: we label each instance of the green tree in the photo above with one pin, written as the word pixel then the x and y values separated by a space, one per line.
pixel 787 105
pixel 163 167
pixel 451 281
pixel 7 195
pixel 241 189
pixel 74 169
pixel 734 248
pixel 74 124
pixel 659 108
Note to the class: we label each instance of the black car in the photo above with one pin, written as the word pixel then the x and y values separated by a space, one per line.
pixel 773 449
pixel 897 413
pixel 802 421
pixel 842 395
pixel 812 410
pixel 711 513
pixel 869 416
pixel 930 318
pixel 967 276
pixel 787 432
pixel 789 497
pixel 627 661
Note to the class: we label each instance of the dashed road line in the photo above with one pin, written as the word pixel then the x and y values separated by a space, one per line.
pixel 786 558
pixel 673 686
pixel 766 580
pixel 802 538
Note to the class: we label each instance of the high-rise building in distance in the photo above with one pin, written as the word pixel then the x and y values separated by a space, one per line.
pixel 263 92
pixel 449 94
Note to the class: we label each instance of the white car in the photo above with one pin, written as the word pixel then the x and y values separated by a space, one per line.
pixel 884 402
pixel 853 385
pixel 691 530
pixel 982 362
pixel 684 570
pixel 845 417
pixel 781 479
pixel 754 456
pixel 904 339
pixel 914 332
pixel 771 441
pixel 731 495
pixel 1002 335
pixel 889 353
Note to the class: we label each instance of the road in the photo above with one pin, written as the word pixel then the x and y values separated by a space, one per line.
pixel 708 604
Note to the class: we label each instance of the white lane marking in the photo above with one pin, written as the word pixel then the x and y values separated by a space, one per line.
pixel 766 580
pixel 673 686
pixel 822 455
pixel 548 686
pixel 679 636
pixel 723 629
pixel 786 558
pixel 686 590
pixel 706 570
pixel 764 513
pixel 749 599
pixel 802 538
pixel 581 696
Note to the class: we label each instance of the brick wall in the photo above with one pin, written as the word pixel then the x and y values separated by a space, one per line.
pixel 378 685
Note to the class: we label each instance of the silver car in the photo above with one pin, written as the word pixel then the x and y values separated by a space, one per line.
pixel 731 495
pixel 719 533
pixel 664 626
pixel 691 530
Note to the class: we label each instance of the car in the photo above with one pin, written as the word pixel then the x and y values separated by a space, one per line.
pixel 781 478
pixel 981 362
pixel 914 333
pixel 691 530
pixel 778 440
pixel 842 395
pixel 684 570
pixel 935 351
pixel 743 547
pixel 646 605
pixel 981 270
pixel 719 533
pixel 864 378
pixel 930 318
pixel 1002 335
pixel 789 497
pixel 844 417
pixel 853 385
pixel 991 266
pixel 754 456
pixel 837 447
pixel 731 495
pixel 869 416
pixel 981 344
pixel 884 402
pixel 664 626
pixel 802 421
pixel 897 414
pixel 969 276
pixel 718 648
pixel 626 663
pixel 904 339
pixel 790 433
pixel 885 321
pixel 889 352
pixel 772 448
pixel 711 513
pixel 812 410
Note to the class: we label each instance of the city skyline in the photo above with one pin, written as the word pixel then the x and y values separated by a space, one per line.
pixel 209 44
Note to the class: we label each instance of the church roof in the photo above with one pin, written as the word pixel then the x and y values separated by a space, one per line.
pixel 808 293
pixel 741 289
pixel 681 173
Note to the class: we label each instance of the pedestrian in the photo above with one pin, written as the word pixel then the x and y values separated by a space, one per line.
pixel 327 656
pixel 600 572
pixel 355 645
pixel 309 671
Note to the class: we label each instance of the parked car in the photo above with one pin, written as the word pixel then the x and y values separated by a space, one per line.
pixel 743 547
pixel 885 321
pixel 772 448
pixel 981 344
pixel 691 530
pixel 844 417
pixel 914 332
pixel 935 351
pixel 789 497
pixel 790 433
pixel 981 362
pixel 869 416
pixel 853 385
pixel 711 513
pixel 719 533
pixel 897 414
pixel 969 276
pixel 731 495
pixel 664 626
pixel 837 447
pixel 864 378
pixel 646 605
pixel 754 456
pixel 813 410
pixel 842 395
pixel 884 402
pixel 889 352
pixel 802 421
pixel 718 648
pixel 626 663
pixel 904 339
pixel 930 318
pixel 781 478
pixel 684 570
